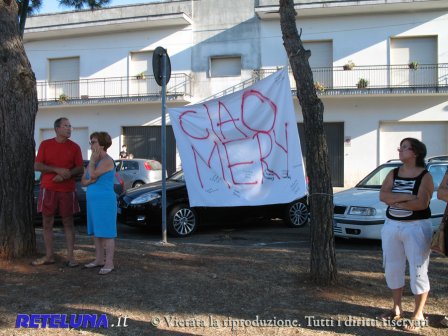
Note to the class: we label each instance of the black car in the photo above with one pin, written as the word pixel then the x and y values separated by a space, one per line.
pixel 80 193
pixel 143 205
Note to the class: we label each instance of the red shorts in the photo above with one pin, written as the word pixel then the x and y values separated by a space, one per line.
pixel 50 201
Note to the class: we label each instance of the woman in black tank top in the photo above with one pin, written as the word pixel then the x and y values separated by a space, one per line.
pixel 407 231
pixel 407 185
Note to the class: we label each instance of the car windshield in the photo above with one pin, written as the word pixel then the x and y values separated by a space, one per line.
pixel 177 176
pixel 375 179
pixel 437 172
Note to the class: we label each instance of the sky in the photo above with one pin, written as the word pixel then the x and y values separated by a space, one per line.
pixel 52 6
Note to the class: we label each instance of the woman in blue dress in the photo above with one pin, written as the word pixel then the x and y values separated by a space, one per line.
pixel 101 202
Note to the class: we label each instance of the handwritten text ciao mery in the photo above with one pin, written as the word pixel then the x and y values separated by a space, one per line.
pixel 223 144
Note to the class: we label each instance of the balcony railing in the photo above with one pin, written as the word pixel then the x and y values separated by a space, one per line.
pixel 383 77
pixel 112 87
pixel 379 79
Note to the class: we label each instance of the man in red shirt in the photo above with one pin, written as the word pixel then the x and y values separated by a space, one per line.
pixel 59 160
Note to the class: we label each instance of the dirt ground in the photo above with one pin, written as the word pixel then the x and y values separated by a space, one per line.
pixel 228 284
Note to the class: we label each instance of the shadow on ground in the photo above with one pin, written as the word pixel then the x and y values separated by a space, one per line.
pixel 212 285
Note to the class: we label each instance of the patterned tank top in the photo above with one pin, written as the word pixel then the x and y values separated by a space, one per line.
pixel 407 185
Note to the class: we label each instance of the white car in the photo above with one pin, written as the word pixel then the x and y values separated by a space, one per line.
pixel 359 213
pixel 137 172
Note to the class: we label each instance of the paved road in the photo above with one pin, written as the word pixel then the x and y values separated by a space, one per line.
pixel 244 233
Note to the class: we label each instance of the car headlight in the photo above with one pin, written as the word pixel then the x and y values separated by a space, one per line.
pixel 145 198
pixel 362 211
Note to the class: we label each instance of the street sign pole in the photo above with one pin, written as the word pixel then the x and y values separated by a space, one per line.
pixel 164 235
pixel 161 66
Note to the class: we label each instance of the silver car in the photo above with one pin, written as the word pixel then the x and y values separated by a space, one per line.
pixel 136 172
pixel 359 213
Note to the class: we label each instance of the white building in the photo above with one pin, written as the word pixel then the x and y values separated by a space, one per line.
pixel 96 69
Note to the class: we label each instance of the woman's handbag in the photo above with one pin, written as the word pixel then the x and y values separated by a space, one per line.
pixel 439 241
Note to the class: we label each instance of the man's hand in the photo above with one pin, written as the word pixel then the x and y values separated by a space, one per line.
pixel 64 173
pixel 58 178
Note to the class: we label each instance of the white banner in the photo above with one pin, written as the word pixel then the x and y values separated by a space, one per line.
pixel 242 149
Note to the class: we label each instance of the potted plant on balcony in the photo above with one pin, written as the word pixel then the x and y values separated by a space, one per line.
pixel 141 75
pixel 362 83
pixel 413 65
pixel 349 65
pixel 319 87
pixel 62 98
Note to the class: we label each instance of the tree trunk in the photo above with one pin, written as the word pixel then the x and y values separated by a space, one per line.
pixel 23 13
pixel 18 108
pixel 323 258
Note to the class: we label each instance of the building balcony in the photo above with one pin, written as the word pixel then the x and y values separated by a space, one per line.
pixel 329 81
pixel 112 90
pixel 269 9
pixel 375 79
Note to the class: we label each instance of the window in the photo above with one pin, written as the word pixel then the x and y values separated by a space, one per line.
pixel 422 50
pixel 64 69
pixel 321 61
pixel 141 74
pixel 129 165
pixel 225 66
pixel 141 63
pixel 64 77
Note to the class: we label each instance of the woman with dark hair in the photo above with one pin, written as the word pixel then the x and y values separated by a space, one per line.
pixel 407 231
pixel 101 202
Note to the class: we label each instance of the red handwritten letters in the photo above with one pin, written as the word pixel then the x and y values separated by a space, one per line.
pixel 242 149
pixel 222 144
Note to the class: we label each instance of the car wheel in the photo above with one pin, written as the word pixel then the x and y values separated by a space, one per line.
pixel 137 184
pixel 182 221
pixel 296 214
